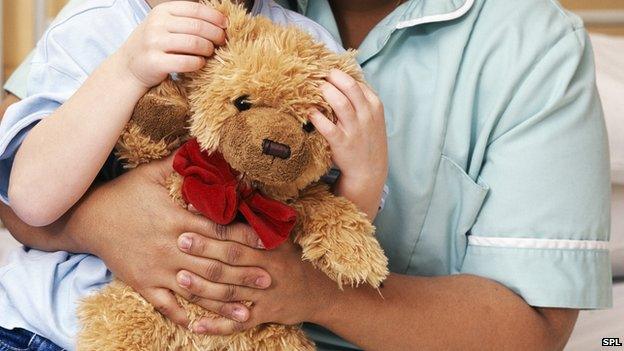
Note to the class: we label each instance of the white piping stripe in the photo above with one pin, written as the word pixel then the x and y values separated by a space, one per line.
pixel 532 243
pixel 438 18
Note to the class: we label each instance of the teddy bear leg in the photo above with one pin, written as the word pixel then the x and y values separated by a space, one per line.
pixel 339 240
pixel 118 318
pixel 277 337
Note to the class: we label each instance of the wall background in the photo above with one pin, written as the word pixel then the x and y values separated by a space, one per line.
pixel 18 21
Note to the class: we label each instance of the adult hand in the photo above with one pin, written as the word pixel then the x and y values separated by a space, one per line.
pixel 133 225
pixel 298 292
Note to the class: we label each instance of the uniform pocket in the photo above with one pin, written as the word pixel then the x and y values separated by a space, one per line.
pixel 455 203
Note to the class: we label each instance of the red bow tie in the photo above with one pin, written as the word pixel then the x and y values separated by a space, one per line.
pixel 211 185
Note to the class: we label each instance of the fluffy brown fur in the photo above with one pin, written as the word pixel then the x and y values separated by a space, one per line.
pixel 280 70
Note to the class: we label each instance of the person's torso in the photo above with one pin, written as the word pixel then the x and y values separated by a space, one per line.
pixel 40 291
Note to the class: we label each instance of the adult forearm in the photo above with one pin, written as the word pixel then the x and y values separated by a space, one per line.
pixel 86 127
pixel 50 238
pixel 444 313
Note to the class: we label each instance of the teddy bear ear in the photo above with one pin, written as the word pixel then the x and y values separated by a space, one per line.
pixel 345 62
pixel 239 25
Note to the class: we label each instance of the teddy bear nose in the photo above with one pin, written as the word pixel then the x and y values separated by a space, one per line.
pixel 272 148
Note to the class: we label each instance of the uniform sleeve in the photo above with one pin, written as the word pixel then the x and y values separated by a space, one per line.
pixel 543 229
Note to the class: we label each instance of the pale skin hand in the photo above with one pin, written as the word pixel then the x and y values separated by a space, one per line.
pixel 357 140
pixel 175 37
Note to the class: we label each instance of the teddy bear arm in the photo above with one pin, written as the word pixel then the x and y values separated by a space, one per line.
pixel 157 125
pixel 339 239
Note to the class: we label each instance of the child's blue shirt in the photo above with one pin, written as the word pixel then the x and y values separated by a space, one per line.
pixel 40 291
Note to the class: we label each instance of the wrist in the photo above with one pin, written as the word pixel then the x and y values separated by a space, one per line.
pixel 119 68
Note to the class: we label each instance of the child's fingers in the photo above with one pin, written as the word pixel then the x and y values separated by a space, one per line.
pixel 352 90
pixel 328 130
pixel 182 63
pixel 198 28
pixel 341 105
pixel 376 106
pixel 198 11
pixel 188 44
pixel 165 303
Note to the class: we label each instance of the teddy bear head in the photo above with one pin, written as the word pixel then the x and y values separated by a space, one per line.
pixel 251 101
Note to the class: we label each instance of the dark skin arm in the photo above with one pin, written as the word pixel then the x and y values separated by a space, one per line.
pixel 130 221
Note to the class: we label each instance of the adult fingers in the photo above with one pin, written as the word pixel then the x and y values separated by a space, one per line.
pixel 229 252
pixel 165 302
pixel 237 232
pixel 197 28
pixel 218 272
pixel 233 310
pixel 205 289
pixel 218 326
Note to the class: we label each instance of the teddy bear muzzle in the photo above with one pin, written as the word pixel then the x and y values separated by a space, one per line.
pixel 272 148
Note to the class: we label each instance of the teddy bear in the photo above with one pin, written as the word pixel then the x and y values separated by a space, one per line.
pixel 245 151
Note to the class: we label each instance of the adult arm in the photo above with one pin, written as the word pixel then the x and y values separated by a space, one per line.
pixel 462 312
pixel 128 222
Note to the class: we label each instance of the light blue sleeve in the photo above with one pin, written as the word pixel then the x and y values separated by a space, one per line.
pixel 47 88
pixel 543 230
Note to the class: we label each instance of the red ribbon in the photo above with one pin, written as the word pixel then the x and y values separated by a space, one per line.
pixel 212 187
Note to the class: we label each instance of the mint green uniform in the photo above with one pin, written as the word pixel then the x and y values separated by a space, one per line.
pixel 498 149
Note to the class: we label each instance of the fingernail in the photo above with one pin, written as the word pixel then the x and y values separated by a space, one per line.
pixel 239 314
pixel 185 243
pixel 260 245
pixel 200 329
pixel 263 282
pixel 184 279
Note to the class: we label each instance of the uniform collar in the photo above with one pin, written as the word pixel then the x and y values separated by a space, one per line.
pixel 431 11
pixel 417 12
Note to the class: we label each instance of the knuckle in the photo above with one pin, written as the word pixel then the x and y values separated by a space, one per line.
pixel 222 232
pixel 209 47
pixel 162 308
pixel 234 253
pixel 237 327
pixel 249 237
pixel 342 104
pixel 196 26
pixel 229 293
pixel 213 271
pixel 192 298
pixel 223 310
pixel 351 85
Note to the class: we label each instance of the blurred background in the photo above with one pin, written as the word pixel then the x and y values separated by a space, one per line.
pixel 23 21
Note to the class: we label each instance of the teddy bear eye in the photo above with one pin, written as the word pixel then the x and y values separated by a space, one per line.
pixel 242 103
pixel 308 127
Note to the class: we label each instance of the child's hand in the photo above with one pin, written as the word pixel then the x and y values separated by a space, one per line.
pixel 357 140
pixel 175 37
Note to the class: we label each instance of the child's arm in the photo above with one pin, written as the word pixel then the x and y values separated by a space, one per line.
pixel 357 140
pixel 62 154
